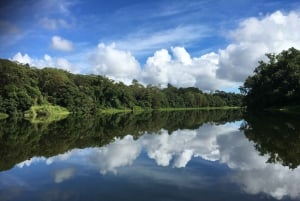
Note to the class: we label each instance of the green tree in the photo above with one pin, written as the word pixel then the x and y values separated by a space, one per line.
pixel 22 86
pixel 275 83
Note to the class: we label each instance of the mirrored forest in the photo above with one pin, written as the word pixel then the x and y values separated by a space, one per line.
pixel 20 140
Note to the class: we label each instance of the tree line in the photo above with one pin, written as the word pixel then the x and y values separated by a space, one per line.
pixel 22 86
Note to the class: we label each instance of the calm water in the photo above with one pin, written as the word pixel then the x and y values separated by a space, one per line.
pixel 217 155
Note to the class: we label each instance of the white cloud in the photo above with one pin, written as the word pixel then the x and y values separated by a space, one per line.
pixel 116 64
pixel 183 71
pixel 24 59
pixel 253 38
pixel 46 61
pixel 61 44
pixel 228 67
pixel 221 70
pixel 146 41
pixel 181 55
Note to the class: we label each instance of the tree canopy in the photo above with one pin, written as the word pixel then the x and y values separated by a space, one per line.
pixel 22 86
pixel 275 83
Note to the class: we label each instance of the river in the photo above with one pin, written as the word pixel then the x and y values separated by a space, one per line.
pixel 186 155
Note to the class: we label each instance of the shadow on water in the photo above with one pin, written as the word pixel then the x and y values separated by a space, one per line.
pixel 275 134
pixel 20 140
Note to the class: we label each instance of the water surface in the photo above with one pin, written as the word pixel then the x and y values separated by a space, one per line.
pixel 191 155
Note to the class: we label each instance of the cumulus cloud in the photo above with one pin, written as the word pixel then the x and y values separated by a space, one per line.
pixel 61 44
pixel 223 69
pixel 181 55
pixel 46 61
pixel 116 64
pixel 24 59
pixel 183 71
pixel 253 38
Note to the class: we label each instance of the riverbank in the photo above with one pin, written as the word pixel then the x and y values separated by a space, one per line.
pixel 46 113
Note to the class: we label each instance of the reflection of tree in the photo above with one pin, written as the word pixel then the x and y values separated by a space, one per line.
pixel 277 135
pixel 20 140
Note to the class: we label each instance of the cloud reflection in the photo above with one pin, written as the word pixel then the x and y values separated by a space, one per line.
pixel 63 174
pixel 120 153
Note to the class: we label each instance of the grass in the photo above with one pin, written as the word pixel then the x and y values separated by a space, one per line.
pixel 3 116
pixel 46 113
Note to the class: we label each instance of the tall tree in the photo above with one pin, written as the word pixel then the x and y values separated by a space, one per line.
pixel 275 83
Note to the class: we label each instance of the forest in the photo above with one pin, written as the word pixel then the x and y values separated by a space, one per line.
pixel 275 83
pixel 23 86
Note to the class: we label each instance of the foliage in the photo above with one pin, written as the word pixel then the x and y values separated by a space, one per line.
pixel 46 113
pixel 275 83
pixel 23 86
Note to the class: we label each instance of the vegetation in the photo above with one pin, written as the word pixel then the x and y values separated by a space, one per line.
pixel 46 113
pixel 276 83
pixel 23 86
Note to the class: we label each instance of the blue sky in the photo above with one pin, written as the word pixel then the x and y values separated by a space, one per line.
pixel 207 44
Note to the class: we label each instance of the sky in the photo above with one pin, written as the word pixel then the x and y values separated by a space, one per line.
pixel 188 43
